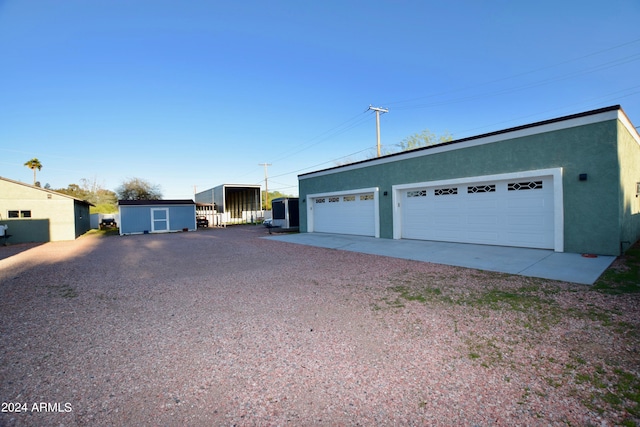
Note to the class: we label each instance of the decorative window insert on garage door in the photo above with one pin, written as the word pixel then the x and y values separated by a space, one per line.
pixel 521 209
pixel 344 212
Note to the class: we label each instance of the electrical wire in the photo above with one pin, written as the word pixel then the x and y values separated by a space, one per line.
pixel 591 104
pixel 336 160
pixel 515 75
pixel 339 129
pixel 359 119
pixel 331 133
pixel 343 127
pixel 323 163
pixel 539 83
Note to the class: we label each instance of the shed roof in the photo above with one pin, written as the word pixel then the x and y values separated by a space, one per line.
pixel 156 202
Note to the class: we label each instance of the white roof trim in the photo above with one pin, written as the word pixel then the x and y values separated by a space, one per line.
pixel 629 126
pixel 519 133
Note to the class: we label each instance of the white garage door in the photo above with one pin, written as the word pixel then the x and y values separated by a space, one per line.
pixel 345 214
pixel 516 212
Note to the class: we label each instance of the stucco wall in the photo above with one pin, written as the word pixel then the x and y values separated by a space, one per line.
pixel 57 208
pixel 591 213
pixel 26 230
pixel 629 155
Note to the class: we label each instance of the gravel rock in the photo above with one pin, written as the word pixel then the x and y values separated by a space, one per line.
pixel 221 327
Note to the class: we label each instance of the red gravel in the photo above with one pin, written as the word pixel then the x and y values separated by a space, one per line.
pixel 221 327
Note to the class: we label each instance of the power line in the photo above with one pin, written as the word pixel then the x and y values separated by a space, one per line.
pixel 331 133
pixel 335 160
pixel 281 183
pixel 543 82
pixel 461 132
pixel 516 75
pixel 323 163
pixel 590 104
pixel 360 119
pixel 343 127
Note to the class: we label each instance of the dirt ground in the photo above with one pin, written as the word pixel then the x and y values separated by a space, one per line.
pixel 222 327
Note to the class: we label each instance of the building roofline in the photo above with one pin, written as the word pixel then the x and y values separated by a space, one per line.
pixel 45 190
pixel 156 202
pixel 252 186
pixel 469 140
pixel 241 185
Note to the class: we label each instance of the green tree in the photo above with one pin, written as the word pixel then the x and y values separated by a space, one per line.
pixel 34 164
pixel 104 201
pixel 138 189
pixel 424 139
pixel 272 195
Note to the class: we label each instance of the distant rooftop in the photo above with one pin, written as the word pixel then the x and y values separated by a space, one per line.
pixel 156 202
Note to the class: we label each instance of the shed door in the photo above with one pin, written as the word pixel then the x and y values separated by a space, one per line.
pixel 346 214
pixel 159 219
pixel 517 212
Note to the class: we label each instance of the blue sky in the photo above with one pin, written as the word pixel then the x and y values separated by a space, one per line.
pixel 199 93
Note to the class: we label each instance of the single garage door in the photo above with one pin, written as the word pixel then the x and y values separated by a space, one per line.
pixel 345 214
pixel 517 212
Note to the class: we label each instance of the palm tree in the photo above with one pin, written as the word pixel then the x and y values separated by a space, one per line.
pixel 34 164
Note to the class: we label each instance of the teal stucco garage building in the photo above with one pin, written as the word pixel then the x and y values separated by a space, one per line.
pixel 568 184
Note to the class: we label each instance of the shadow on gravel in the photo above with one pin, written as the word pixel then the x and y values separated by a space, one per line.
pixel 221 327
pixel 11 250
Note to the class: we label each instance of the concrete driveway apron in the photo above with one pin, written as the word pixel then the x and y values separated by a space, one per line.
pixel 547 264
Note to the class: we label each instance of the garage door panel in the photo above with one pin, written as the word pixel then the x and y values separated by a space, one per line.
pixel 446 210
pixel 451 200
pixel 440 220
pixel 477 204
pixel 486 237
pixel 533 238
pixel 480 220
pixel 418 218
pixel 526 220
pixel 506 212
pixel 348 214
pixel 528 203
pixel 445 235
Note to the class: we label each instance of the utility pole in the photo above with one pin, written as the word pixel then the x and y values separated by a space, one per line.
pixel 378 111
pixel 266 185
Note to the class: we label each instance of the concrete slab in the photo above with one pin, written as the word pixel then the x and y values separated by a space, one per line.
pixel 541 263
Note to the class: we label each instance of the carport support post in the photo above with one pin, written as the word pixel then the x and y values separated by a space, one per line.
pixel 378 111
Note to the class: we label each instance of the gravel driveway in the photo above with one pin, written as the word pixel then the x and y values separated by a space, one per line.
pixel 221 327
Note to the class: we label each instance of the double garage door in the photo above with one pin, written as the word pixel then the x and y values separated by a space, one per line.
pixel 514 212
pixel 517 212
